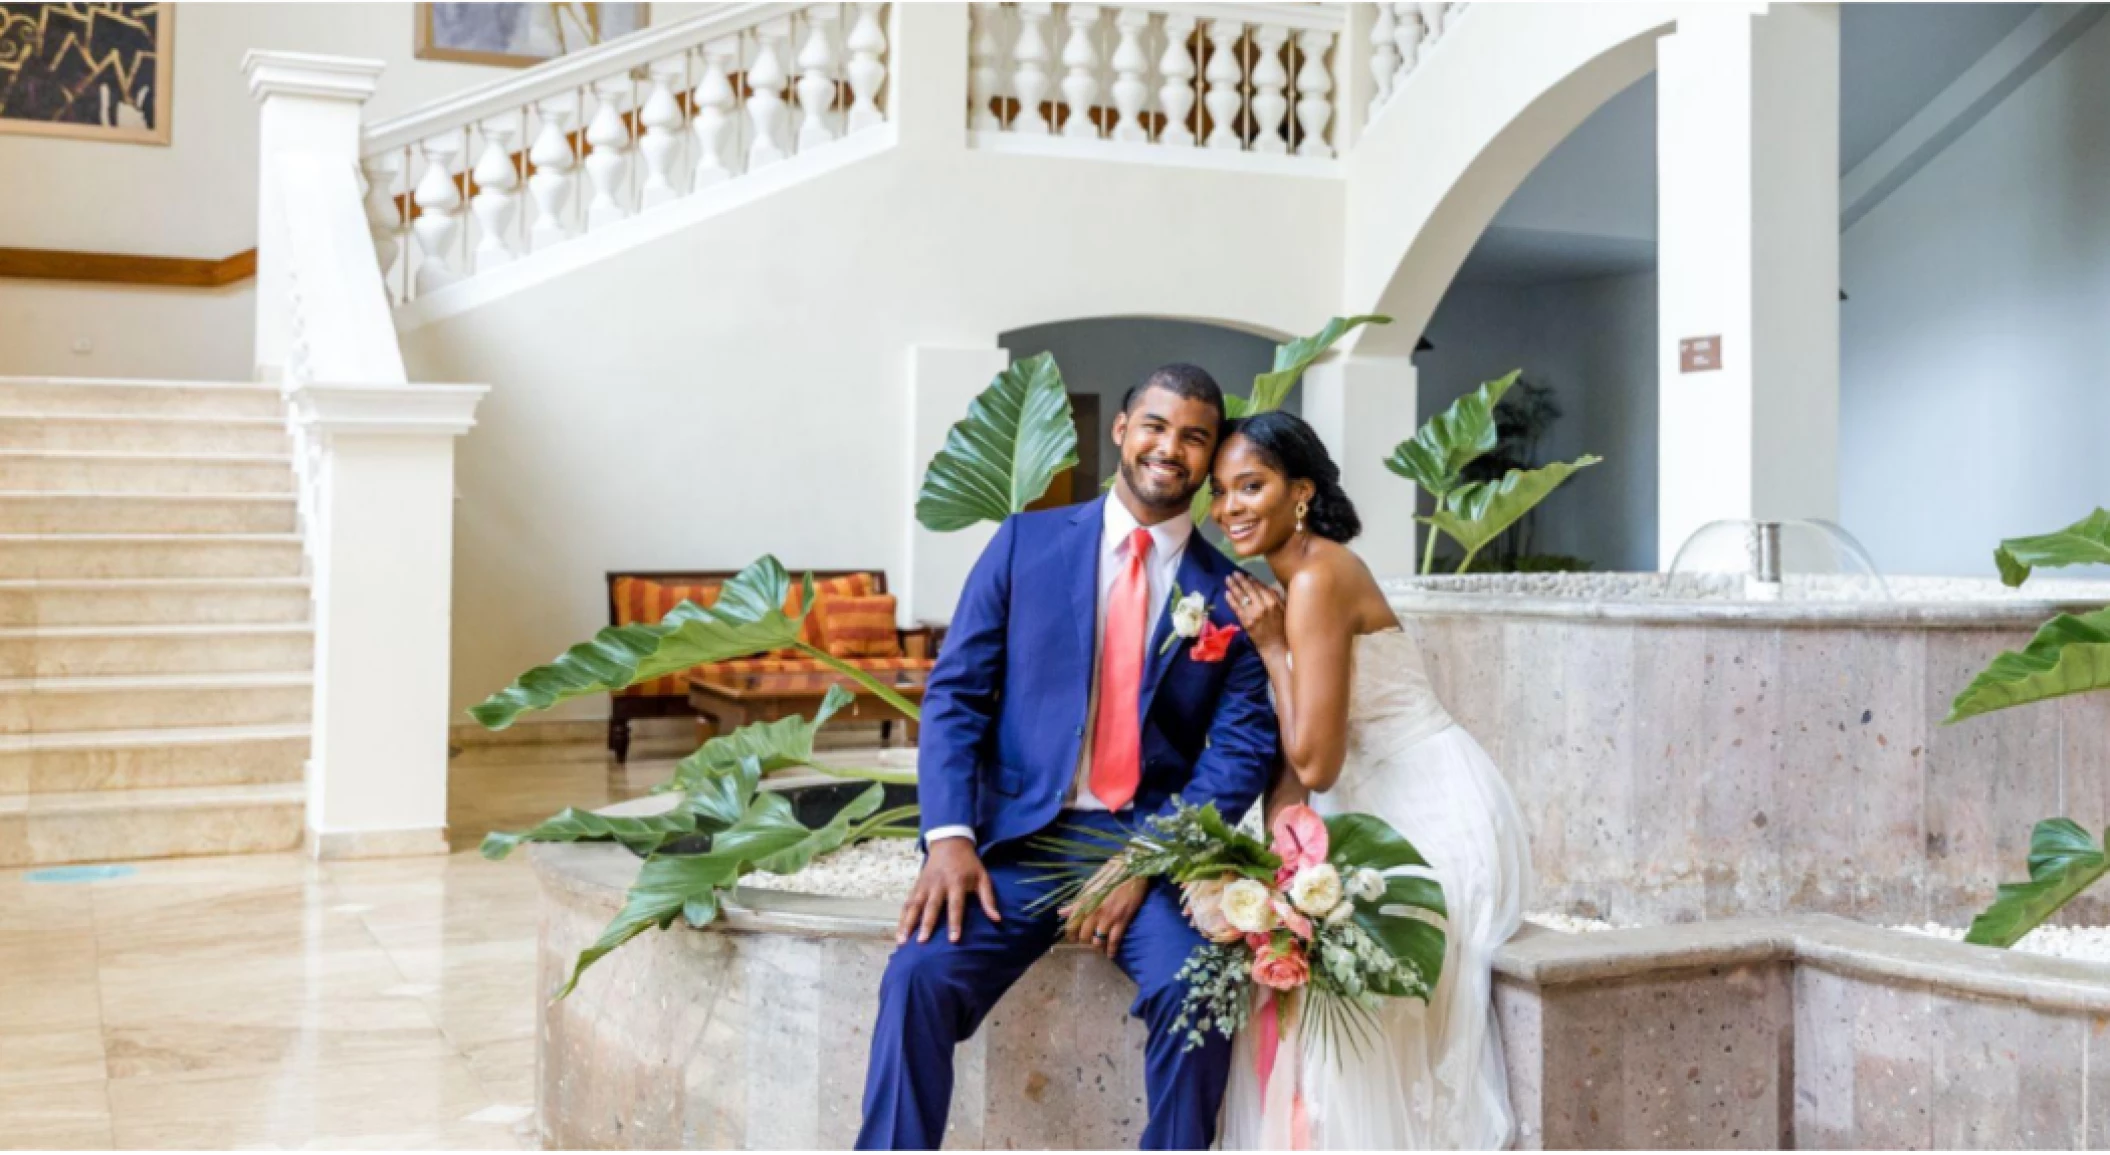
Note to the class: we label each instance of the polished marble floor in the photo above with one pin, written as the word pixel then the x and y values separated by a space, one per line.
pixel 270 1001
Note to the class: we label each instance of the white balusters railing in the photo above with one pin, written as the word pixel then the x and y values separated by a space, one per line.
pixel 584 142
pixel 1401 37
pixel 1128 72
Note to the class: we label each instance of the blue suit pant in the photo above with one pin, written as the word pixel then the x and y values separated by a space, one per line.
pixel 935 994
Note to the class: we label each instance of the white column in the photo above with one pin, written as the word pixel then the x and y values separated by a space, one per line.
pixel 1748 252
pixel 384 547
pixel 309 104
pixel 1361 407
pixel 942 381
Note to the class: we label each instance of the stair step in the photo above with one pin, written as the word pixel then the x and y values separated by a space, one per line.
pixel 61 512
pixel 43 395
pixel 130 702
pixel 103 651
pixel 119 555
pixel 150 601
pixel 47 470
pixel 121 825
pixel 153 759
pixel 123 432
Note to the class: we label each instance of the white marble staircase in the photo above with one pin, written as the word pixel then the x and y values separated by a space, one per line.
pixel 156 656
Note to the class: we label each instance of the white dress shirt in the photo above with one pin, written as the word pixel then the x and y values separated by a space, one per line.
pixel 1168 543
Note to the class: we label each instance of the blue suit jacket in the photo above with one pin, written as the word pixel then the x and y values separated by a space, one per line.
pixel 1004 713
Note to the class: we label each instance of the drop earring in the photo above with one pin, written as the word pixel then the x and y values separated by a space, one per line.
pixel 1302 509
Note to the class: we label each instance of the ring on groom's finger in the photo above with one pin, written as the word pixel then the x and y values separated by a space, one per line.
pixel 1098 936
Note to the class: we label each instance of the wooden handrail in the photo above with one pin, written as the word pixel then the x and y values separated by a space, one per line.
pixel 126 268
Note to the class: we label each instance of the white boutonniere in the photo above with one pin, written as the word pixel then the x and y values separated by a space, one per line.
pixel 1189 613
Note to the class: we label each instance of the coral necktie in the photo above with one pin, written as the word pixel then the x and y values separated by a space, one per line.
pixel 1117 737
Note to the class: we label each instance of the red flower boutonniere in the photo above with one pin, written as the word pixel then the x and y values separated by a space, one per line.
pixel 1213 643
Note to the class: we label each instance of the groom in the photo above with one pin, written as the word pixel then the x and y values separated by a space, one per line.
pixel 1056 702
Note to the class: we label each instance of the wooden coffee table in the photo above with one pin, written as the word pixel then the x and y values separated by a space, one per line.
pixel 725 702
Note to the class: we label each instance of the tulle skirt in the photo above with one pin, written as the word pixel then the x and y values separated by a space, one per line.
pixel 1433 1077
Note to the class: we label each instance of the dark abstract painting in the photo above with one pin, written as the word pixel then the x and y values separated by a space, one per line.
pixel 90 71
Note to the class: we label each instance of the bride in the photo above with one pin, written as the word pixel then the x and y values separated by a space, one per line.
pixel 1362 732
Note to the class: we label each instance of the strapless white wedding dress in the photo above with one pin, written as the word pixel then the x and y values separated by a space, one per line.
pixel 1433 1079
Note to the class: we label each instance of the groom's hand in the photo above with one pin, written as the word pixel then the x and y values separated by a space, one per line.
pixel 952 872
pixel 1103 929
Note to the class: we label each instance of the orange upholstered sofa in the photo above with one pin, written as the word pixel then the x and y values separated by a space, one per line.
pixel 852 619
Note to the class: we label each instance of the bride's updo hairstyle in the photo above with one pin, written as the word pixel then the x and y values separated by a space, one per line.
pixel 1290 448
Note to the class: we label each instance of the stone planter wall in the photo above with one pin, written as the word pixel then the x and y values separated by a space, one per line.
pixel 1754 1033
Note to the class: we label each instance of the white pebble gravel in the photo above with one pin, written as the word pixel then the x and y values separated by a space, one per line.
pixel 2082 942
pixel 881 868
pixel 1569 924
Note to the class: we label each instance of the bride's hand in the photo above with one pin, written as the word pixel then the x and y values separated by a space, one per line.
pixel 1259 610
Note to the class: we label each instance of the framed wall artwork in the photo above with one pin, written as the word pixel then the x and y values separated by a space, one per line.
pixel 87 71
pixel 517 35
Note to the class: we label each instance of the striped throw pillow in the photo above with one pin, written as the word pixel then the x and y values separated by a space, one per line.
pixel 858 627
pixel 854 585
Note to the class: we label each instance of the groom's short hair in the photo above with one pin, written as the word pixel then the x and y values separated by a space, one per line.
pixel 1183 380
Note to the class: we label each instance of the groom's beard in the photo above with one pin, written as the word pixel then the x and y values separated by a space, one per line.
pixel 1169 494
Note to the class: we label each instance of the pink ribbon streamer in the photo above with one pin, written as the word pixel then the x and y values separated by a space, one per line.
pixel 1264 1057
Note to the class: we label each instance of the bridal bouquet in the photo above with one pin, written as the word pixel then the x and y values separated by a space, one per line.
pixel 1319 911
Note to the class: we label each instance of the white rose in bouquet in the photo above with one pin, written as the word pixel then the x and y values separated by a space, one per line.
pixel 1248 906
pixel 1366 884
pixel 1316 890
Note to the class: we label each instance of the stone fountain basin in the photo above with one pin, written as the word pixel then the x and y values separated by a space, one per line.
pixel 1768 1032
pixel 1681 754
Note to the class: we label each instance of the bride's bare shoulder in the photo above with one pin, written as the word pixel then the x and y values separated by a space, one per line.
pixel 1338 583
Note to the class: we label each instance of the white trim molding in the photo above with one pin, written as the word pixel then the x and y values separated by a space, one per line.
pixel 307 74
pixel 330 409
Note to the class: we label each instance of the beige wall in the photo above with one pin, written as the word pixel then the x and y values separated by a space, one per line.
pixel 732 389
pixel 194 198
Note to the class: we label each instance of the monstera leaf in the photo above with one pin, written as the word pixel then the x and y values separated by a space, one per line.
pixel 775 745
pixel 2069 655
pixel 1272 388
pixel 1017 435
pixel 1477 512
pixel 1440 450
pixel 2063 862
pixel 2085 542
pixel 748 619
pixel 1370 842
pixel 768 837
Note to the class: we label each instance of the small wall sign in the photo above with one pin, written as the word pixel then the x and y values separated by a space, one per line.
pixel 1700 354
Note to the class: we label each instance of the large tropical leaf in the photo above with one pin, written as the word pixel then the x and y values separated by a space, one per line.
pixel 642 833
pixel 2069 655
pixel 1367 841
pixel 768 837
pixel 666 887
pixel 2085 542
pixel 1017 435
pixel 2063 862
pixel 748 619
pixel 1272 388
pixel 1441 449
pixel 774 745
pixel 1477 512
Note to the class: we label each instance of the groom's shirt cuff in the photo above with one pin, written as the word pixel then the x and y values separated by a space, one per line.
pixel 937 832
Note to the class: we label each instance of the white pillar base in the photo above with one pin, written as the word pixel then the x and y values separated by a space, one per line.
pixel 382 546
